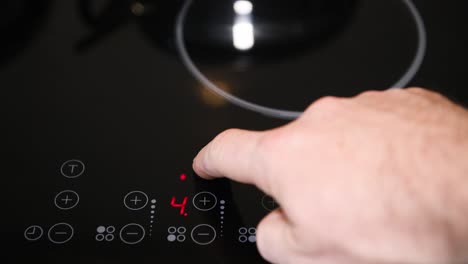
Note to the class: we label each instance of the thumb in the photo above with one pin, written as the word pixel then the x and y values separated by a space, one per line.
pixel 274 238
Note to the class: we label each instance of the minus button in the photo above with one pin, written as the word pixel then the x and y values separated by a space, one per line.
pixel 203 234
pixel 132 234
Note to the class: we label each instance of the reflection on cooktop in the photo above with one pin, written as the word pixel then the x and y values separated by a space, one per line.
pixel 215 30
pixel 243 38
pixel 273 60
pixel 281 30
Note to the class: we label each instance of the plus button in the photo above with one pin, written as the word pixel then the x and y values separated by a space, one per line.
pixel 66 199
pixel 204 201
pixel 135 200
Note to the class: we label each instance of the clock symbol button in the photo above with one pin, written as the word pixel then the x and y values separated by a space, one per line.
pixel 33 233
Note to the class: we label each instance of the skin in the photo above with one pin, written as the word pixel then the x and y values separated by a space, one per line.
pixel 381 177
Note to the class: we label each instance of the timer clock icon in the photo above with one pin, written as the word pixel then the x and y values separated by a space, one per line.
pixel 33 233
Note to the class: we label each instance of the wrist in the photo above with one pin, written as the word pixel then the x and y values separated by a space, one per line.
pixel 447 198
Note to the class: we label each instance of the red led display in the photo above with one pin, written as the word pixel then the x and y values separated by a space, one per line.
pixel 181 206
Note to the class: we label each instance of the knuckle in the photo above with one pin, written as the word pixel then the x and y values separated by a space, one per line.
pixel 216 148
pixel 394 94
pixel 275 140
pixel 425 92
pixel 327 103
pixel 226 133
pixel 418 90
pixel 429 97
pixel 274 145
pixel 272 150
pixel 370 94
pixel 268 145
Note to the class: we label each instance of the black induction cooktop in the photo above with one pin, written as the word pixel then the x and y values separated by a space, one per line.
pixel 105 103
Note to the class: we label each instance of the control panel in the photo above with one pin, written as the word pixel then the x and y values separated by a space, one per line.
pixel 180 213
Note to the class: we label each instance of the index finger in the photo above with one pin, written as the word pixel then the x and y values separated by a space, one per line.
pixel 233 154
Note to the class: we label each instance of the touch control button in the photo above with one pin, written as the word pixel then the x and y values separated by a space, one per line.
pixel 60 233
pixel 269 203
pixel 203 234
pixel 135 200
pixel 66 200
pixel 72 168
pixel 204 201
pixel 132 234
pixel 33 233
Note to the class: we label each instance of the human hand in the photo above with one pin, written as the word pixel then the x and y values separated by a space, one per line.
pixel 378 178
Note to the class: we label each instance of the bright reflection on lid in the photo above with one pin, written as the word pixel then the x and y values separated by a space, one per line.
pixel 243 35
pixel 243 7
